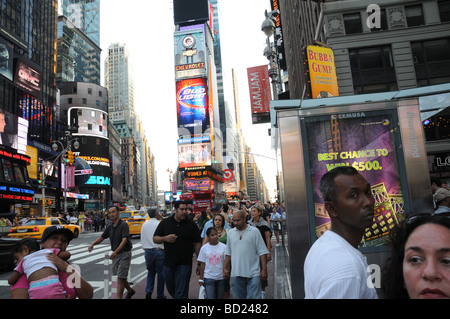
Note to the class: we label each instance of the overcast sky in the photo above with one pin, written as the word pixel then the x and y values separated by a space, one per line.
pixel 147 29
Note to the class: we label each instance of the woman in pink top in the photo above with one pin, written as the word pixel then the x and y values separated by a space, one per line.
pixel 57 237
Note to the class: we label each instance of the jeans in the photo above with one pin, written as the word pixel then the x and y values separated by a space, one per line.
pixel 246 288
pixel 177 280
pixel 214 288
pixel 154 260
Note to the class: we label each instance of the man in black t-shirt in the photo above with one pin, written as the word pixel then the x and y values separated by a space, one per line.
pixel 181 237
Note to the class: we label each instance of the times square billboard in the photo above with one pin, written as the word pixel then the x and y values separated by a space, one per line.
pixel 192 106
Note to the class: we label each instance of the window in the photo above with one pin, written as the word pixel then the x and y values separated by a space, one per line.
pixel 90 91
pixel 69 100
pixel 373 70
pixel 438 126
pixel 432 61
pixel 352 23
pixel 84 100
pixel 414 15
pixel 444 10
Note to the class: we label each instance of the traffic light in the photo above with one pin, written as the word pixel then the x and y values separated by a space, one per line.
pixel 40 179
pixel 66 158
pixel 70 157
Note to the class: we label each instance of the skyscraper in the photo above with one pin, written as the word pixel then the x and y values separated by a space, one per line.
pixel 84 14
pixel 120 84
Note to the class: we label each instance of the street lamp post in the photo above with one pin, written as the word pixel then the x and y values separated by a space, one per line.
pixel 69 143
pixel 270 52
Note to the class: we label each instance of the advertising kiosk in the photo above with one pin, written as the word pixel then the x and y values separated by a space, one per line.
pixel 381 135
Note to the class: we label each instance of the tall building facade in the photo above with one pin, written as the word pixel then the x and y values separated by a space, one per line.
pixel 27 102
pixel 84 14
pixel 120 84
pixel 85 106
pixel 78 55
pixel 138 169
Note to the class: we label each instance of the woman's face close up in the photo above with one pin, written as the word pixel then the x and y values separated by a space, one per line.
pixel 426 264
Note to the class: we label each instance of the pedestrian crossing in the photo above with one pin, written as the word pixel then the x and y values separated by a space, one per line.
pixel 81 255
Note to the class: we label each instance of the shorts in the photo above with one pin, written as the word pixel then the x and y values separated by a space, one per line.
pixel 47 288
pixel 121 264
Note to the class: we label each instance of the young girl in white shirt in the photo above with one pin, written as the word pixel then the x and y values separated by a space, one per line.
pixel 211 259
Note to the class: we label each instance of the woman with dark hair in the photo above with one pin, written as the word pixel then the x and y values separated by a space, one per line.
pixel 219 225
pixel 419 267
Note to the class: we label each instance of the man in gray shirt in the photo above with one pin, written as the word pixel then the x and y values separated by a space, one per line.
pixel 119 234
pixel 246 253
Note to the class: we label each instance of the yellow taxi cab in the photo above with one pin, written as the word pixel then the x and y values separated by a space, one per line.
pixel 124 215
pixel 35 227
pixel 135 223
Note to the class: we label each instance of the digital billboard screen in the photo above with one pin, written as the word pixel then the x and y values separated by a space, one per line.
pixel 194 155
pixel 28 78
pixel 366 141
pixel 188 12
pixel 192 106
pixel 13 131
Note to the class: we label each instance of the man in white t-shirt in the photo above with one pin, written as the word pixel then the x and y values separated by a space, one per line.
pixel 154 256
pixel 246 255
pixel 334 268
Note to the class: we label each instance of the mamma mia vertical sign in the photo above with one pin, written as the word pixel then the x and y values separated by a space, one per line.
pixel 260 94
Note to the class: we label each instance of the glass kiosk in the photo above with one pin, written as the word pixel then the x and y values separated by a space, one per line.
pixel 383 140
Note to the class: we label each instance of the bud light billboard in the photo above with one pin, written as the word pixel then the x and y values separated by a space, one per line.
pixel 192 106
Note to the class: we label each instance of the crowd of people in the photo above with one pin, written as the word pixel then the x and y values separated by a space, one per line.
pixel 232 246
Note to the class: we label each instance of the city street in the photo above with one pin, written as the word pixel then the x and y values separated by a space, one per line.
pixel 92 264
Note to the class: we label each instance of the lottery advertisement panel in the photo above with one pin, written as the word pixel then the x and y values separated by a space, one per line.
pixel 366 141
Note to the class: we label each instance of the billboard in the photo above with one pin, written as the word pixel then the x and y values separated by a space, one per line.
pixel 192 106
pixel 27 78
pixel 13 131
pixel 366 141
pixel 190 54
pixel 94 152
pixel 90 121
pixel 6 59
pixel 260 93
pixel 194 155
pixel 189 12
pixel 322 72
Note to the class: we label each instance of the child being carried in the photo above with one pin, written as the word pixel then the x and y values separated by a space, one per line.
pixel 42 274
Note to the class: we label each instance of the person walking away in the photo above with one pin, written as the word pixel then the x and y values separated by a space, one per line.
pixel 181 237
pixel 211 258
pixel 154 256
pixel 119 234
pixel 334 267
pixel 246 255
